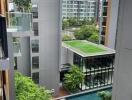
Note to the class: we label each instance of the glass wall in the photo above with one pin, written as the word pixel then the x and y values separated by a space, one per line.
pixel 19 21
pixel 98 70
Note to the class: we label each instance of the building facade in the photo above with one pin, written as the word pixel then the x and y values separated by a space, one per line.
pixel 7 85
pixel 123 64
pixel 80 8
pixel 46 43
pixel 105 22
pixel 97 68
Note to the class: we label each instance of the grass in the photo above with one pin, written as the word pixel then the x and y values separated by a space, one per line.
pixel 84 47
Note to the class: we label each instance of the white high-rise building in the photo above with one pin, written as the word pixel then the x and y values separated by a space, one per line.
pixel 80 8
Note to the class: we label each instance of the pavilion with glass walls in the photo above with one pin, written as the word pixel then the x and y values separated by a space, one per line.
pixel 96 63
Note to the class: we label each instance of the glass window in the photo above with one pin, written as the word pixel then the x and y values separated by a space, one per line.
pixel 35 11
pixel 35 46
pixel 35 62
pixel 35 28
pixel 35 77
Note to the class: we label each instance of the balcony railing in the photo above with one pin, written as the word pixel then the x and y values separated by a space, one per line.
pixel 18 21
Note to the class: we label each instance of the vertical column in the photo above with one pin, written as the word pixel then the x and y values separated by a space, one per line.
pixel 50 43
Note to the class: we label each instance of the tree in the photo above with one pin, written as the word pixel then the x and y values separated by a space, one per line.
pixel 23 5
pixel 26 89
pixel 104 95
pixel 93 21
pixel 94 38
pixel 72 22
pixel 73 79
pixel 65 24
pixel 85 32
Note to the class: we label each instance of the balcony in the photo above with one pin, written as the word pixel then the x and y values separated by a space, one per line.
pixel 19 22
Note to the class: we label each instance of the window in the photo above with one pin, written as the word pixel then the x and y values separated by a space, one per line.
pixel 15 63
pixel 35 28
pixel 64 5
pixel 35 62
pixel 35 46
pixel 35 11
pixel 35 77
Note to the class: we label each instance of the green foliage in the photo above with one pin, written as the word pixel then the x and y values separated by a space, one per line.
pixel 65 24
pixel 85 32
pixel 13 21
pixel 76 22
pixel 94 38
pixel 73 79
pixel 72 21
pixel 105 95
pixel 26 89
pixel 67 38
pixel 23 5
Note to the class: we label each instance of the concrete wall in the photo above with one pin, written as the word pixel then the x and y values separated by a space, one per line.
pixel 23 61
pixel 50 43
pixel 113 23
pixel 122 88
pixel 66 56
pixel 11 70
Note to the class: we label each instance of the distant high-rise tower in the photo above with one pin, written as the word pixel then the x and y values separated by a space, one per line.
pixel 80 8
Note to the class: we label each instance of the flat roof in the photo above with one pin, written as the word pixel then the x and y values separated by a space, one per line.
pixel 86 49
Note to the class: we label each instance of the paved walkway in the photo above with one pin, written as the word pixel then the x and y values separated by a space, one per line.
pixel 62 92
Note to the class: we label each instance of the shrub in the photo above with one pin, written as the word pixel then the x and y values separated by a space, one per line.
pixel 26 89
pixel 85 32
pixel 67 38
pixel 73 79
pixel 104 95
pixel 94 38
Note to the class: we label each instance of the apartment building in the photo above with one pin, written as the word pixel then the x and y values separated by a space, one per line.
pixel 7 89
pixel 80 8
pixel 105 22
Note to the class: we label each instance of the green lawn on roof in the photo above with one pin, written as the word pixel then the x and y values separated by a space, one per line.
pixel 84 46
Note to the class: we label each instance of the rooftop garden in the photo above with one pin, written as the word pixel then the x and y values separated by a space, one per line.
pixel 86 49
pixel 84 46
